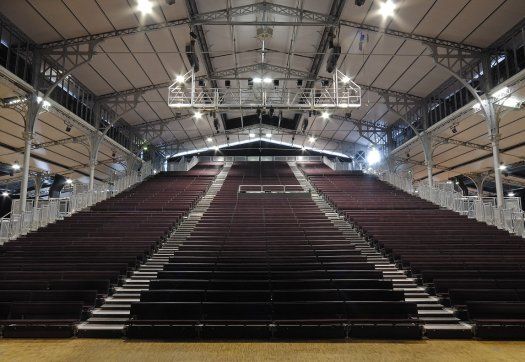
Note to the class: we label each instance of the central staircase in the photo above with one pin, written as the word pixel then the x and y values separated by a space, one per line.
pixel 438 321
pixel 110 319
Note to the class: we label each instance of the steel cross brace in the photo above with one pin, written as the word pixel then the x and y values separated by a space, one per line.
pixel 223 17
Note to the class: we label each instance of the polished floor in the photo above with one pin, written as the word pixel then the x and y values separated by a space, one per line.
pixel 118 350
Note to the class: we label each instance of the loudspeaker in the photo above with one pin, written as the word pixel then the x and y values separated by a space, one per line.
pixel 192 56
pixel 58 184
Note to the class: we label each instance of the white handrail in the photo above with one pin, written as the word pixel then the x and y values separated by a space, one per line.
pixel 15 224
pixel 510 217
pixel 271 189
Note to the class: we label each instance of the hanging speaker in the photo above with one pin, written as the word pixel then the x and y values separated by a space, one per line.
pixel 192 56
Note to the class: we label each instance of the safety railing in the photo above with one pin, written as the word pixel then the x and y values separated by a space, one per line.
pixel 398 181
pixel 510 217
pixel 17 223
pixel 248 189
pixel 260 158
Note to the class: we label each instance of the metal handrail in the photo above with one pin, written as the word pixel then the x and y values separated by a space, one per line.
pixel 272 189
pixel 14 225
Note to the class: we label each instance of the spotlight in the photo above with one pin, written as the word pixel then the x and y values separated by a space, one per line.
pixel 202 83
pixel 68 128
pixel 325 83
pixel 325 115
pixel 69 181
pixel 252 135
pixel 387 8
pixel 209 139
pixel 311 139
pixel 268 135
pixel 197 115
pixel 511 194
pixel 216 148
pixel 299 82
pixel 227 83
pixel 145 147
pixel 502 167
pixel 5 194
pixel 373 156
pixel 16 166
pixel 179 79
pixel 256 80
pixel 345 79
pixel 144 6
pixel 267 80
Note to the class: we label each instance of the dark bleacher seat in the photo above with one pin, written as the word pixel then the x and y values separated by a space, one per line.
pixel 463 261
pixel 50 279
pixel 265 265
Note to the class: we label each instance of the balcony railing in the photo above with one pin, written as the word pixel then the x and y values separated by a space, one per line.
pixel 18 222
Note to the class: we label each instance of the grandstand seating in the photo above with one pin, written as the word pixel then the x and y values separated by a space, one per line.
pixel 474 267
pixel 50 279
pixel 269 265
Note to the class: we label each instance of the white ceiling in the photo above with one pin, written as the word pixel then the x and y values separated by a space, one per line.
pixel 155 57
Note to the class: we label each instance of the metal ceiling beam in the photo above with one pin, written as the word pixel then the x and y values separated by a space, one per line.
pixel 65 141
pixel 335 12
pixel 452 141
pixel 220 17
pixel 258 67
pixel 238 131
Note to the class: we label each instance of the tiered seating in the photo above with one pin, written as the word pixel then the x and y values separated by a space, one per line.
pixel 50 279
pixel 263 265
pixel 474 267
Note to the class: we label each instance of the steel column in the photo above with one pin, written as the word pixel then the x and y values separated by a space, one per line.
pixel 25 170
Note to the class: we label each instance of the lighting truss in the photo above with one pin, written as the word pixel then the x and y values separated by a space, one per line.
pixel 343 93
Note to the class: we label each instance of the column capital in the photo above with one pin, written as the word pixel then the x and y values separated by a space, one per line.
pixel 27 136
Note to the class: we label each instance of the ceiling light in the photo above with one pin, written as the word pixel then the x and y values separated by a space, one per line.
pixel 268 135
pixel 312 139
pixel 267 80
pixel 144 6
pixel 505 91
pixel 16 166
pixel 373 156
pixel 197 115
pixel 179 79
pixel 325 115
pixel 209 139
pixel 257 80
pixel 387 8
pixel 345 79
pixel 252 135
pixel 512 194
pixel 502 167
pixel 69 181
pixel 5 194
